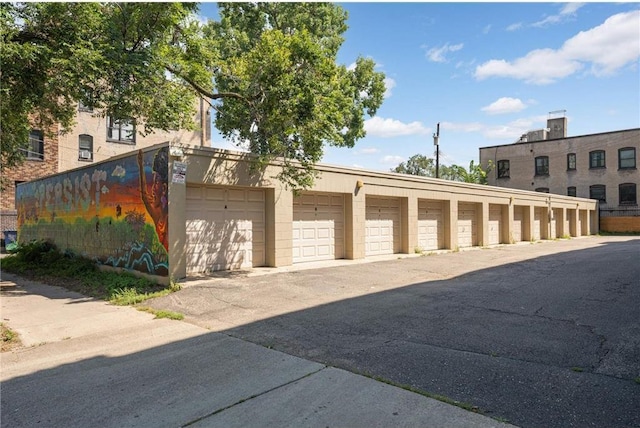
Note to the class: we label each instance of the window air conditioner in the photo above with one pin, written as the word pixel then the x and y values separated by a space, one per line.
pixel 85 154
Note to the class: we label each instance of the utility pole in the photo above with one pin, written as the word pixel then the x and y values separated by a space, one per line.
pixel 436 138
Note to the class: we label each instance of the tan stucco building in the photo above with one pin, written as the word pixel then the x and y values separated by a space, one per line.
pixel 223 216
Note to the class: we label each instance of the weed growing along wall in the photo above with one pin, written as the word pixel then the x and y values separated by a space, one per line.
pixel 114 212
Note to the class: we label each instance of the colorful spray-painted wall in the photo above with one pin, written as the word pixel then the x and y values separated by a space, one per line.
pixel 114 212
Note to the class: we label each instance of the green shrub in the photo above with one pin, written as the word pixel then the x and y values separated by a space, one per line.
pixel 42 260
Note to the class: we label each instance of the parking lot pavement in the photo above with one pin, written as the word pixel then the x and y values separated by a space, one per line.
pixel 86 363
pixel 540 334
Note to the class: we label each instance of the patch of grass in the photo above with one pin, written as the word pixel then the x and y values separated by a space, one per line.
pixel 41 260
pixel 637 380
pixel 162 313
pixel 577 369
pixel 8 335
pixel 10 339
pixel 131 296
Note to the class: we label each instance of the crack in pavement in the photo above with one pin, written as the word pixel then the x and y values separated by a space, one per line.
pixel 252 397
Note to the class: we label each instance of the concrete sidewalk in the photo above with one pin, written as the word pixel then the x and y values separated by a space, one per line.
pixel 90 364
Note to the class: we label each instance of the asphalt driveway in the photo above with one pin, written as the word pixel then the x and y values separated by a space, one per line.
pixel 540 335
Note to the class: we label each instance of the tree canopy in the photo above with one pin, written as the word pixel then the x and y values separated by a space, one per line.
pixel 425 166
pixel 268 69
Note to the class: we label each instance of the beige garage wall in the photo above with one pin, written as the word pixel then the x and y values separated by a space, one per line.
pixel 519 215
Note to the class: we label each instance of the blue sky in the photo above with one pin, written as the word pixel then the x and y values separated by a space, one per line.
pixel 487 72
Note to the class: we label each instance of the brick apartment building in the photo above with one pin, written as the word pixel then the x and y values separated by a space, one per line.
pixel 601 166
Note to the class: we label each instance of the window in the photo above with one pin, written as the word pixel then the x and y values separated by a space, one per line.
pixel 123 131
pixel 571 162
pixel 83 107
pixel 85 147
pixel 596 159
pixel 599 192
pixel 86 104
pixel 628 194
pixel 503 169
pixel 542 189
pixel 35 148
pixel 627 158
pixel 542 165
pixel 571 191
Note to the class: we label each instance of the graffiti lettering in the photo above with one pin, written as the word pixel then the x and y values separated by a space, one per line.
pixel 40 195
pixel 97 176
pixel 57 192
pixel 82 189
pixel 68 196
pixel 110 203
pixel 47 199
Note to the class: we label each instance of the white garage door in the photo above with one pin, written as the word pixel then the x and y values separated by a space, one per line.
pixel 225 228
pixel 495 224
pixel 518 221
pixel 430 225
pixel 318 227
pixel 382 226
pixel 537 223
pixel 467 227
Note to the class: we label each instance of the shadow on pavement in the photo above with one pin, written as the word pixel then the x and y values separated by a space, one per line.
pixel 547 342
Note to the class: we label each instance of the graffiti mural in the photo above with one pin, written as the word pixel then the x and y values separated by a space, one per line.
pixel 114 212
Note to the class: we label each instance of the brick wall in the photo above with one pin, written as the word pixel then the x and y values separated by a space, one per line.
pixel 620 224
pixel 30 169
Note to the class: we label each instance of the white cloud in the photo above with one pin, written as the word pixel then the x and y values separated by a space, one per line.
pixel 571 8
pixel 567 11
pixel 514 27
pixel 514 129
pixel 367 151
pixel 504 105
pixel 385 128
pixel 540 66
pixel 486 29
pixel 393 160
pixel 510 131
pixel 608 47
pixel 438 54
pixel 389 84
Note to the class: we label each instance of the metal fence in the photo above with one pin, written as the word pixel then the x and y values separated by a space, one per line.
pixel 620 212
pixel 620 220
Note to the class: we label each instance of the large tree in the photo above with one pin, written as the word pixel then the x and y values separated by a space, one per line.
pixel 269 70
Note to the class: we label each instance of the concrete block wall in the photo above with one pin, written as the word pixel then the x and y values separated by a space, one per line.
pixel 212 167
